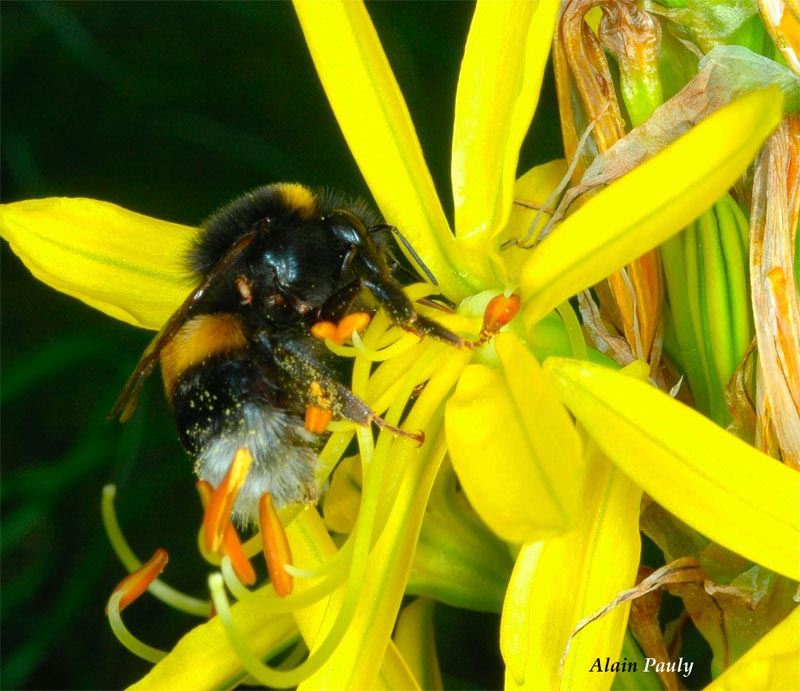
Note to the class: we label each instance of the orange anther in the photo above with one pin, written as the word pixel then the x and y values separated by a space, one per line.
pixel 218 511
pixel 275 545
pixel 232 548
pixel 134 584
pixel 499 312
pixel 323 330
pixel 358 321
pixel 231 543
pixel 317 419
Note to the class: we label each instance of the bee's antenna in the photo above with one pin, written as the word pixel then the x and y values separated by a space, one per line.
pixel 421 264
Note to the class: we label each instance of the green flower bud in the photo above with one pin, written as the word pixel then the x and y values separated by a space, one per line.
pixel 707 283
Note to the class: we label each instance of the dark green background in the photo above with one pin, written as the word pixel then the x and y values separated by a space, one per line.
pixel 169 109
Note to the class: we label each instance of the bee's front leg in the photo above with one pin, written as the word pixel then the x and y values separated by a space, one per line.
pixel 312 387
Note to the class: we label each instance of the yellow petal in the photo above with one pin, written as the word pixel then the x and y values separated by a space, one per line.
pixel 125 264
pixel 531 193
pixel 727 490
pixel 772 663
pixel 376 123
pixel 646 206
pixel 498 89
pixel 414 638
pixel 358 657
pixel 559 581
pixel 267 634
pixel 514 447
pixel 312 546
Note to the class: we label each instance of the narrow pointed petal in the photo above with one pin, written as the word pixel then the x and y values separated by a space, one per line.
pixel 648 204
pixel 558 582
pixel 266 633
pixel 125 264
pixel 375 121
pixel 513 446
pixel 772 663
pixel 726 489
pixel 357 660
pixel 498 90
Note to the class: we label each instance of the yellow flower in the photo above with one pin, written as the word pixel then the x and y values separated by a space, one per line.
pixel 568 495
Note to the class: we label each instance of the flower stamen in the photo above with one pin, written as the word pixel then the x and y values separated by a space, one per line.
pixel 499 312
pixel 275 545
pixel 232 581
pixel 401 345
pixel 231 544
pixel 136 583
pixel 162 591
pixel 124 636
pixel 218 511
pixel 128 591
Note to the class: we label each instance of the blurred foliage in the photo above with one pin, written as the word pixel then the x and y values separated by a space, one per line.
pixel 169 109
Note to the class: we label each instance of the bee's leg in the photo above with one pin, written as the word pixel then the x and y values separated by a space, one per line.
pixel 338 304
pixel 313 386
pixel 367 263
pixel 401 311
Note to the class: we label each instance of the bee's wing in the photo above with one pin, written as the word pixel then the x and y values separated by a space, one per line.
pixel 126 403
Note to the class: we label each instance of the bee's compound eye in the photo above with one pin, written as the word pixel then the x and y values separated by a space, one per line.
pixel 245 290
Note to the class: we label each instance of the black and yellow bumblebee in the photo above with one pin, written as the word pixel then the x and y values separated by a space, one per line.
pixel 239 362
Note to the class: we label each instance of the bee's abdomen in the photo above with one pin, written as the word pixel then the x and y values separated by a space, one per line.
pixel 208 399
pixel 199 339
pixel 226 403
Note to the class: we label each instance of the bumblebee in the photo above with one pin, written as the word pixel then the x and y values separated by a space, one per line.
pixel 240 365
